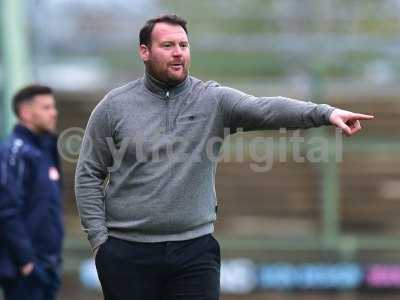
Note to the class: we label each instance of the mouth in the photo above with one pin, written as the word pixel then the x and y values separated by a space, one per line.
pixel 176 66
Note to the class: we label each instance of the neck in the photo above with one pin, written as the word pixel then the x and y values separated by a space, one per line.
pixel 31 127
pixel 160 87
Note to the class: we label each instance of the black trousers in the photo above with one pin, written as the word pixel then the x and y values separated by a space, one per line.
pixel 179 270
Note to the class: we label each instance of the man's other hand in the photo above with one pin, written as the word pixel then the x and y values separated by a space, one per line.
pixel 27 268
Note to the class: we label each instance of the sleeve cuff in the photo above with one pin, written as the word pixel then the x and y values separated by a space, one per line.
pixel 327 111
pixel 95 242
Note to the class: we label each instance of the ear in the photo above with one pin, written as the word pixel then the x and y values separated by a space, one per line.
pixel 144 52
pixel 25 112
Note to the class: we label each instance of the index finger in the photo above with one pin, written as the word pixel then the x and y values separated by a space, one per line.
pixel 362 117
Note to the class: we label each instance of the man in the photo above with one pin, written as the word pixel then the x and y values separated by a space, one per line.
pixel 145 177
pixel 31 226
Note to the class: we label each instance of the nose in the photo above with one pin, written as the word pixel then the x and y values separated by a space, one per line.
pixel 177 51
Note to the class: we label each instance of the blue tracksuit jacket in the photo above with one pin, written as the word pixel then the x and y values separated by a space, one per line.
pixel 31 226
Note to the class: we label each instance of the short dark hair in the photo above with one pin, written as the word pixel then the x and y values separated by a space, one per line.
pixel 27 94
pixel 147 29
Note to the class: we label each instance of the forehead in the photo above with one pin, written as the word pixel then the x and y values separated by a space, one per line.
pixel 164 31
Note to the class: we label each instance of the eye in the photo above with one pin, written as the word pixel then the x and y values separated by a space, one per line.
pixel 168 45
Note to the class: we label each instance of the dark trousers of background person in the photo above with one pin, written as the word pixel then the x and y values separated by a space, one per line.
pixel 178 270
pixel 42 284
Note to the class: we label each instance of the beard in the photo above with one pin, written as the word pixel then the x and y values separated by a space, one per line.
pixel 164 75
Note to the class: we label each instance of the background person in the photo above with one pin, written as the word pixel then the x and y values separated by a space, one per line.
pixel 31 226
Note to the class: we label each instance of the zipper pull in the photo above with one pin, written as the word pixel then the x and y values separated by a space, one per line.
pixel 167 95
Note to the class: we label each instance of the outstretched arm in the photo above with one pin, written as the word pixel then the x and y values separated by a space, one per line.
pixel 260 113
pixel 348 121
pixel 240 110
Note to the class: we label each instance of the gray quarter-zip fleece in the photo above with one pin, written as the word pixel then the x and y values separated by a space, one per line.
pixel 146 170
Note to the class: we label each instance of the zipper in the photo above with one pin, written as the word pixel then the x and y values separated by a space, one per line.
pixel 166 111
